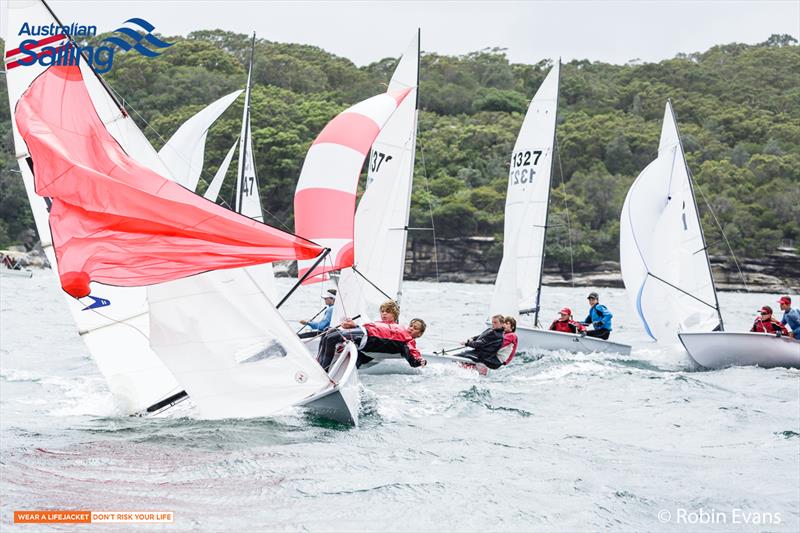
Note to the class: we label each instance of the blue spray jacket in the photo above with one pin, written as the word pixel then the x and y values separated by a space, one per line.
pixel 791 319
pixel 324 322
pixel 599 313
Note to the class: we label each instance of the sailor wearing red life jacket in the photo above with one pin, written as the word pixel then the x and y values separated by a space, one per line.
pixel 510 341
pixel 384 336
pixel 766 324
pixel 565 324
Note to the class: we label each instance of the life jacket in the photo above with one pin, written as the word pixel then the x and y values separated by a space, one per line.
pixel 509 348
pixel 768 326
pixel 386 337
pixel 566 326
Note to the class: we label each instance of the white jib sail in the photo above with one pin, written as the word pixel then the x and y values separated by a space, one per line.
pixel 229 347
pixel 116 335
pixel 662 256
pixel 526 203
pixel 183 152
pixel 212 192
pixel 382 214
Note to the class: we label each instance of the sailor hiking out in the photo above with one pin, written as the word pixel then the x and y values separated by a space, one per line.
pixel 383 336
pixel 483 348
pixel 510 341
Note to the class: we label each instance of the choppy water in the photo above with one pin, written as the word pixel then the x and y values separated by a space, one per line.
pixel 561 443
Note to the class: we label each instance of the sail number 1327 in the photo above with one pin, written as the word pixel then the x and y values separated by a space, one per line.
pixel 528 158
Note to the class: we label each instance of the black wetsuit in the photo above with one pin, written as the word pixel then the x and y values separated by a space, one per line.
pixel 484 348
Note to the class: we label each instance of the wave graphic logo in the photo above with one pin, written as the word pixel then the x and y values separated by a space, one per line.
pixel 140 40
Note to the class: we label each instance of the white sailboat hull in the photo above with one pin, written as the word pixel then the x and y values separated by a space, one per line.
pixel 534 340
pixel 722 349
pixel 340 402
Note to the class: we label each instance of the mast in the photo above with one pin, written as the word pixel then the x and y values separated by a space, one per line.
pixel 245 130
pixel 411 181
pixel 547 212
pixel 697 213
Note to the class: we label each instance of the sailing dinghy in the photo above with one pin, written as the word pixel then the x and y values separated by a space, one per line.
pixel 112 224
pixel 667 273
pixel 519 280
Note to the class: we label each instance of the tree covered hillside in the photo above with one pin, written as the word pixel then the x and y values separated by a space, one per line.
pixel 738 108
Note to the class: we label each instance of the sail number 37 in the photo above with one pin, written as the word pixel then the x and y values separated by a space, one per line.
pixel 527 158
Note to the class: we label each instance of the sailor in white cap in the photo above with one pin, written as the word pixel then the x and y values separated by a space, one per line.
pixel 315 328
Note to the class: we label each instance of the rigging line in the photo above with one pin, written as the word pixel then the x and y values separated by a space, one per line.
pixel 370 282
pixel 430 209
pixel 566 209
pixel 725 237
pixel 681 290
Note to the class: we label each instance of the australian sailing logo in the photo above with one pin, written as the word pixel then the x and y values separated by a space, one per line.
pixel 56 45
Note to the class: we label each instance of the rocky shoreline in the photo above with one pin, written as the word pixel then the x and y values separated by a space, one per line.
pixel 470 261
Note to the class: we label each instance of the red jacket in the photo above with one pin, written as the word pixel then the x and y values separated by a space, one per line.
pixel 395 334
pixel 509 348
pixel 567 326
pixel 768 326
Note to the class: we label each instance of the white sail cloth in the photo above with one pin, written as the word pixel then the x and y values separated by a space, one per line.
pixel 527 199
pixel 229 347
pixel 183 152
pixel 382 215
pixel 662 254
pixel 116 335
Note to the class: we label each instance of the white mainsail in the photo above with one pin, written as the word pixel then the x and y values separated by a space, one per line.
pixel 183 152
pixel 519 277
pixel 662 250
pixel 382 215
pixel 229 347
pixel 116 335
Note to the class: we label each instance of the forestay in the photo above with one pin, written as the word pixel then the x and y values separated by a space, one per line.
pixel 662 251
pixel 229 347
pixel 519 277
pixel 325 197
pixel 183 152
pixel 382 215
pixel 115 335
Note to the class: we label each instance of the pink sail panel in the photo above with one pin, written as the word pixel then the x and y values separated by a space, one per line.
pixel 113 220
pixel 325 198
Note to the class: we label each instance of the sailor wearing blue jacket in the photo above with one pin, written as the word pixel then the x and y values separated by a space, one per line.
pixel 791 317
pixel 324 323
pixel 599 317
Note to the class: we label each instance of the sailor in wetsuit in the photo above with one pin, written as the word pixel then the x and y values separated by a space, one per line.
pixel 483 348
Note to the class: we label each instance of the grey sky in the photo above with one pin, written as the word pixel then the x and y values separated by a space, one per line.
pixel 366 31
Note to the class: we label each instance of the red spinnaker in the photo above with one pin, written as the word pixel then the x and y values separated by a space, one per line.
pixel 117 222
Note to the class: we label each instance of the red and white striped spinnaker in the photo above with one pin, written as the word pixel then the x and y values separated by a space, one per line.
pixel 325 198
